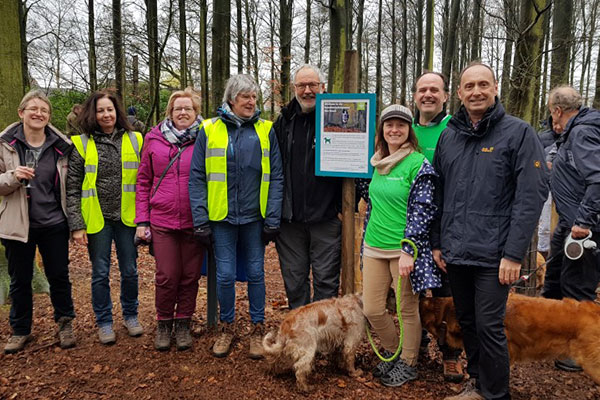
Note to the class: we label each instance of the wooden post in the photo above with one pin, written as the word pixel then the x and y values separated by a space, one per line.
pixel 350 86
pixel 211 289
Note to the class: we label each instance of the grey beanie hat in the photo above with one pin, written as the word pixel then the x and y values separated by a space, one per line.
pixel 396 111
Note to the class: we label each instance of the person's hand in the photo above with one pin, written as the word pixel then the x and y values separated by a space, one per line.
pixel 439 261
pixel 577 232
pixel 204 236
pixel 140 232
pixel 22 172
pixel 80 236
pixel 406 264
pixel 509 271
pixel 269 234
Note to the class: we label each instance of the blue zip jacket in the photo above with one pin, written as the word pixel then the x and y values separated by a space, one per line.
pixel 244 174
pixel 576 171
pixel 493 182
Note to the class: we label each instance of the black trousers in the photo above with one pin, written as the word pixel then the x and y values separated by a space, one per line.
pixel 576 279
pixel 480 302
pixel 53 243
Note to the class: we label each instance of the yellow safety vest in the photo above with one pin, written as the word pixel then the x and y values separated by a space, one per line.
pixel 130 160
pixel 215 159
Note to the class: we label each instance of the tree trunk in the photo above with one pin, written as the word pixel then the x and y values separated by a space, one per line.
pixel 429 29
pixel 544 86
pixel 404 58
pixel 394 79
pixel 378 83
pixel 476 25
pixel 23 10
pixel 307 39
pixel 135 67
pixel 240 37
pixel 221 38
pixel 272 30
pixel 419 21
pixel 204 59
pixel 255 53
pixel 154 65
pixel 182 46
pixel 118 49
pixel 337 45
pixel 92 47
pixel 561 42
pixel 359 40
pixel 285 34
pixel 522 96
pixel 596 103
pixel 451 44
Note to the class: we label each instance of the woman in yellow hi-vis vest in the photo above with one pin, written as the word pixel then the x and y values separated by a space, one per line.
pixel 236 189
pixel 101 205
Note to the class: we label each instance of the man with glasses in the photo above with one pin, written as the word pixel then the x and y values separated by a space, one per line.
pixel 310 228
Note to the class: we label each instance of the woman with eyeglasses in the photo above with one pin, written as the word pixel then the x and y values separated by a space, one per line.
pixel 34 216
pixel 101 187
pixel 236 185
pixel 164 216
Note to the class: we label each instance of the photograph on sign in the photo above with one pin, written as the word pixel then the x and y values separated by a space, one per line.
pixel 345 134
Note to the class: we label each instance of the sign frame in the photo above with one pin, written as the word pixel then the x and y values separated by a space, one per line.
pixel 321 100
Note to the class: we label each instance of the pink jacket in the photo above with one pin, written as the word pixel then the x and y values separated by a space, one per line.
pixel 170 205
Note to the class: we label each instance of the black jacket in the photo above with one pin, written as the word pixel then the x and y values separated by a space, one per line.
pixel 493 184
pixel 306 197
pixel 576 171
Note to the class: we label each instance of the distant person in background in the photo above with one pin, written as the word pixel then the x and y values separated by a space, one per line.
pixel 134 121
pixel 35 216
pixel 72 126
pixel 164 216
pixel 548 137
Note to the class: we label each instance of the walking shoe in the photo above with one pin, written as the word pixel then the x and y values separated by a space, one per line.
pixel 384 366
pixel 133 327
pixel 223 344
pixel 469 392
pixel 106 334
pixel 567 364
pixel 16 343
pixel 399 374
pixel 162 342
pixel 256 351
pixel 453 370
pixel 65 333
pixel 183 337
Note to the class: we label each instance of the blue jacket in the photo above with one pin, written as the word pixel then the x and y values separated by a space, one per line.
pixel 244 173
pixel 575 178
pixel 493 182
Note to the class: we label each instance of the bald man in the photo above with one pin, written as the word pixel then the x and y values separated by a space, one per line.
pixel 492 186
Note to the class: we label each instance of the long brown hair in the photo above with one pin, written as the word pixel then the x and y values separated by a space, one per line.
pixel 87 117
pixel 382 146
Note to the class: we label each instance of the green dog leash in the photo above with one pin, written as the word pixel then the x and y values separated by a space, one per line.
pixel 398 296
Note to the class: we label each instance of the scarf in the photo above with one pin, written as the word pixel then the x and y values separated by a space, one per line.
pixel 226 109
pixel 385 165
pixel 177 137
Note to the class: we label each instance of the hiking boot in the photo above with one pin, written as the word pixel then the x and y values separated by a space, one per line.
pixel 16 343
pixel 133 326
pixel 256 351
pixel 399 374
pixel 183 337
pixel 65 333
pixel 470 392
pixel 568 364
pixel 384 366
pixel 453 370
pixel 106 334
pixel 162 342
pixel 223 344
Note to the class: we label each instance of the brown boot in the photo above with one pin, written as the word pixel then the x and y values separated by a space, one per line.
pixel 183 337
pixel 223 344
pixel 470 392
pixel 164 327
pixel 65 333
pixel 256 351
pixel 453 370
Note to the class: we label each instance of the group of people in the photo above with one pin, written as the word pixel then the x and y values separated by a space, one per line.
pixel 452 206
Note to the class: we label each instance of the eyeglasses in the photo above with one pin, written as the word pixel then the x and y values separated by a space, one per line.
pixel 180 109
pixel 35 110
pixel 311 85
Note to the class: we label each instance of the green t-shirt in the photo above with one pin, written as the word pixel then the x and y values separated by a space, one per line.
pixel 428 136
pixel 389 199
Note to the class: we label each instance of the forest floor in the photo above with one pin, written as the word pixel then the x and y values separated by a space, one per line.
pixel 132 369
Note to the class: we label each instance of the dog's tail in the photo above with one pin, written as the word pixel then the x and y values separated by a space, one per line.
pixel 272 344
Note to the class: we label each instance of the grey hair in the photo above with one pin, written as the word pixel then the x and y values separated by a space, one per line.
pixel 34 94
pixel 565 97
pixel 314 68
pixel 237 84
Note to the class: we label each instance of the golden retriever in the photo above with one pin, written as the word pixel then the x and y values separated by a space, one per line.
pixel 326 326
pixel 536 329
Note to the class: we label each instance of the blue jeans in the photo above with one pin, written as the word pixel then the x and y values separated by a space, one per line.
pixel 99 247
pixel 226 238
